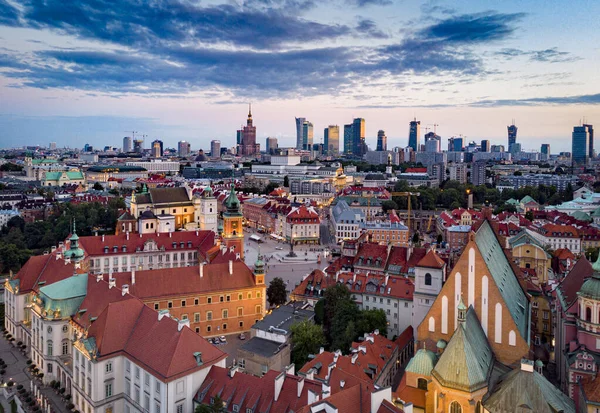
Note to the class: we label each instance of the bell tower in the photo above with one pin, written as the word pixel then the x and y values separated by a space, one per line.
pixel 233 231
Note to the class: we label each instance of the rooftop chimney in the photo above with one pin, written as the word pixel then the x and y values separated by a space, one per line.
pixel 342 383
pixel 325 390
pixel 198 357
pixel 279 384
pixel 363 349
pixel 230 267
pixel 112 282
pixel 132 275
pixel 183 323
pixel 102 237
pixel 127 235
pixel 527 365
pixel 300 386
pixel 170 234
pixel 354 358
pixel 201 269
pixel 125 289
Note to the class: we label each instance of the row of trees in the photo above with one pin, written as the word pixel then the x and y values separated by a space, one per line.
pixel 19 240
pixel 338 323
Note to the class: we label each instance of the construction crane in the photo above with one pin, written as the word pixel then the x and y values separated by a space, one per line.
pixel 133 132
pixel 409 196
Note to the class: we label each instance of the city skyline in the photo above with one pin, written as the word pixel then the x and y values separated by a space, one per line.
pixel 471 68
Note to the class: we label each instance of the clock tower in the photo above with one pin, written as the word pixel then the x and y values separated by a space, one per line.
pixel 233 232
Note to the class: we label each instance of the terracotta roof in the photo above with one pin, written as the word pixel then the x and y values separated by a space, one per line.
pixel 47 269
pixel 169 195
pixel 431 260
pixel 130 327
pixel 410 394
pixel 94 245
pixel 313 285
pixel 397 257
pixel 372 252
pixel 396 287
pixel 564 231
pixel 564 254
pixel 573 281
pixel 97 298
pixel 405 338
pixel 185 281
pixel 591 388
pixel 302 212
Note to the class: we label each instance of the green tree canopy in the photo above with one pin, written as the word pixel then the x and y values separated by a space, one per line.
pixel 217 406
pixel 307 338
pixel 276 292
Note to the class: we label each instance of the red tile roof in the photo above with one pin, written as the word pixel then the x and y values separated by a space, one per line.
pixel 564 254
pixel 396 287
pixel 431 260
pixel 94 245
pixel 563 231
pixel 405 338
pixel 573 281
pixel 185 281
pixel 313 284
pixel 410 394
pixel 43 268
pixel 376 253
pixel 129 327
pixel 591 388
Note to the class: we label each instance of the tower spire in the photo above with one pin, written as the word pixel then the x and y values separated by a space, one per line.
pixel 250 109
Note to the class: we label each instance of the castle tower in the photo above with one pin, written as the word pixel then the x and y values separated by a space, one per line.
pixel 259 270
pixel 205 211
pixel 233 231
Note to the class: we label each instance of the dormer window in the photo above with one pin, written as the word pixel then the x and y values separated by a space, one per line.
pixel 106 250
pixel 124 248
pixel 174 245
pixel 115 249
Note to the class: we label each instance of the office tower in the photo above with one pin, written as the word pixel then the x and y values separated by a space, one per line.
pixel 512 135
pixel 515 148
pixel 331 140
pixel 318 148
pixel 414 134
pixel 545 149
pixel 299 129
pixel 455 144
pixel 159 144
pixel 381 141
pixel 580 145
pixel 307 135
pixel 183 148
pixel 127 144
pixel 432 145
pixel 215 149
pixel 485 145
pixel 497 148
pixel 52 146
pixel 591 152
pixel 348 146
pixel 238 137
pixel 88 148
pixel 271 145
pixel 248 145
pixel 359 147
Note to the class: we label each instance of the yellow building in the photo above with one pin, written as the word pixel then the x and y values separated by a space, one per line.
pixel 177 202
pixel 528 252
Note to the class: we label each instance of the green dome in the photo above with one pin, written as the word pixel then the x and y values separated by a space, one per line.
pixel 232 203
pixel 591 287
pixel 422 363
pixel 596 213
pixel 441 343
pixel 538 363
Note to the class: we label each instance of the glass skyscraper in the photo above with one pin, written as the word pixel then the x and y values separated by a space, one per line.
pixel 331 140
pixel 299 125
pixel 512 135
pixel 381 141
pixel 414 135
pixel 580 145
pixel 348 142
pixel 358 137
pixel 307 135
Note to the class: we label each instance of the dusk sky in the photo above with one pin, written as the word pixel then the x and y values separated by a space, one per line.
pixel 77 72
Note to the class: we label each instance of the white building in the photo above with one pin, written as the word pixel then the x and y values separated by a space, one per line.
pixel 6 215
pixel 157 166
pixel 346 221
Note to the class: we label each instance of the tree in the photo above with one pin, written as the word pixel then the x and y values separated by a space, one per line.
pixel 276 293
pixel 371 320
pixel 332 298
pixel 415 238
pixel 529 215
pixel 271 187
pixel 343 325
pixel 98 186
pixel 286 181
pixel 388 205
pixel 307 338
pixel 440 238
pixel 320 311
pixel 217 406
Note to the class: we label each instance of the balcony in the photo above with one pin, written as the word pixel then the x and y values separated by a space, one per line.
pixel 588 326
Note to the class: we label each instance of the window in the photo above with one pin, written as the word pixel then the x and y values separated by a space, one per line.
pixel 242 363
pixel 65 347
pixel 249 296
pixel 108 367
pixel 258 309
pixel 158 387
pixel 208 329
pixel 196 317
pixel 180 408
pixel 209 315
pixel 184 316
pixel 422 384
pixel 455 407
pixel 146 379
pixel 242 325
pixel 137 395
pixel 128 387
pixel 258 294
pixel 225 313
pixel 225 326
pixel 146 402
pixel 108 390
pixel 183 303
pixel 49 367
pixel 240 297
pixel 157 408
pixel 209 300
pixel 50 347
pixel 221 298
pixel 240 311
pixel 156 306
pixel 137 372
pixel 196 301
pixel 427 279
pixel 170 304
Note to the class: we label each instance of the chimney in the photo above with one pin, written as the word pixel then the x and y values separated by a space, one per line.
pixel 230 267
pixel 201 269
pixel 321 350
pixel 330 367
pixel 291 369
pixel 127 235
pixel 99 277
pixel 102 237
pixel 53 248
pixel 325 390
pixel 198 357
pixel 370 339
pixel 376 332
pixel 354 358
pixel 132 275
pixel 237 256
pixel 279 384
pixel 336 355
pixel 162 313
pixel 125 289
pixel 300 386
pixel 170 234
pixel 183 323
pixel 312 397
pixel 112 282
pixel 231 249
pixel 232 370
pixel 58 254
pixel 408 408
pixel 527 365
pixel 363 348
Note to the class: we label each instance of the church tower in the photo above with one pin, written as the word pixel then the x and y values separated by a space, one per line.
pixel 259 270
pixel 233 231
pixel 205 211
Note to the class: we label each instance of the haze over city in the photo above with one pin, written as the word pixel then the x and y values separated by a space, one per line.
pixel 86 72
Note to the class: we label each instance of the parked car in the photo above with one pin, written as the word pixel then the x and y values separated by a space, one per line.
pixel 242 336
pixel 223 339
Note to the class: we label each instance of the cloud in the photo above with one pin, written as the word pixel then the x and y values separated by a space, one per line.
pixel 433 7
pixel 369 28
pixel 366 3
pixel 552 55
pixel 9 15
pixel 593 99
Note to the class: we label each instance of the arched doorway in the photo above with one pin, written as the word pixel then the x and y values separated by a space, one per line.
pixel 455 407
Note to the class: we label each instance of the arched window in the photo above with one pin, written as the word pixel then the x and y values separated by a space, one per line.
pixel 512 338
pixel 588 314
pixel 65 347
pixel 455 407
pixel 50 347
pixel 427 279
pixel 478 408
pixel 422 384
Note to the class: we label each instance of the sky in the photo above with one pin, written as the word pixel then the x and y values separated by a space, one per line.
pixel 76 72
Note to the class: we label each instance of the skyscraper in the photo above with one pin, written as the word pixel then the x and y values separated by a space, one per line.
pixel 127 144
pixel 271 145
pixel 183 148
pixel 414 134
pixel 358 137
pixel 157 153
pixel 307 135
pixel 432 144
pixel 299 127
pixel 348 143
pixel 248 145
pixel 52 146
pixel 381 141
pixel 580 145
pixel 331 141
pixel 485 145
pixel 455 144
pixel 238 137
pixel 512 135
pixel 545 149
pixel 138 145
pixel 591 152
pixel 215 149
pixel 157 149
pixel 478 173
